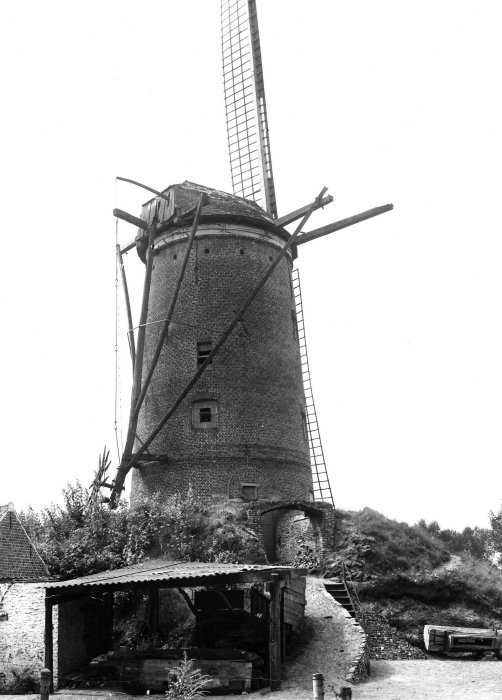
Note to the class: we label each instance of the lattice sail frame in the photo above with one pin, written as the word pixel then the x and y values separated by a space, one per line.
pixel 245 105
pixel 320 479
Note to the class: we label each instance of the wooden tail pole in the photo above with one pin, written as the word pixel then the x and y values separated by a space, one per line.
pixel 138 365
pixel 130 332
pixel 343 223
pixel 126 465
pixel 318 686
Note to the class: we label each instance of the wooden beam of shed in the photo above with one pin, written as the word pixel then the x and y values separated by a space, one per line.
pixel 125 466
pixel 274 640
pixel 49 644
pixel 295 215
pixel 134 220
pixel 343 223
pixel 187 600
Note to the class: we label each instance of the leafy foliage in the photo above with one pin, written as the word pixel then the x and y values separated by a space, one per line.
pixel 477 541
pixel 75 540
pixel 186 682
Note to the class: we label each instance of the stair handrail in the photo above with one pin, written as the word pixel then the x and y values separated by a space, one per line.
pixel 358 608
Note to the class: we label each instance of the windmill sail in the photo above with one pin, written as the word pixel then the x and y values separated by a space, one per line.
pixel 245 106
pixel 320 479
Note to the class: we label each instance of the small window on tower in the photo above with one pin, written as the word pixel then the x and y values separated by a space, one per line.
pixel 205 414
pixel 249 492
pixel 203 351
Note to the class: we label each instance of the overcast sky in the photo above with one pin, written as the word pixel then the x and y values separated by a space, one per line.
pixel 387 101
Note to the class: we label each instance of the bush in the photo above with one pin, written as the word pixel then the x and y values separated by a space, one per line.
pixel 77 540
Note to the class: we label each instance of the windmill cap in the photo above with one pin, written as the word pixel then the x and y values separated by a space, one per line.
pixel 182 199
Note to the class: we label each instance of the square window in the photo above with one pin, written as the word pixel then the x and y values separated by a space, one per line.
pixel 249 492
pixel 205 414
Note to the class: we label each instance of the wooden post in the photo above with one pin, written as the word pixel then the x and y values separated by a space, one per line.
pixel 274 642
pixel 45 683
pixel 153 599
pixel 283 626
pixel 48 640
pixel 318 686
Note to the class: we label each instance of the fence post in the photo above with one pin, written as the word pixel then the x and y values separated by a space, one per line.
pixel 45 684
pixel 318 686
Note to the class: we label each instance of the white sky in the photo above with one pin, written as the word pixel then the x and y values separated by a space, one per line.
pixel 385 101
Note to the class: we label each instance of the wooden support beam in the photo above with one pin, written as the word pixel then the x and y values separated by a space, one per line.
pixel 48 643
pixel 153 612
pixel 129 246
pixel 134 220
pixel 138 365
pixel 343 223
pixel 130 331
pixel 125 465
pixel 274 641
pixel 295 215
pixel 145 187
pixel 188 601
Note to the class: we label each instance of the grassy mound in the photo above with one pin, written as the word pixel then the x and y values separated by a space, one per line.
pixel 469 596
pixel 372 545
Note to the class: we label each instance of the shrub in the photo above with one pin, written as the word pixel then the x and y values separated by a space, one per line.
pixel 186 682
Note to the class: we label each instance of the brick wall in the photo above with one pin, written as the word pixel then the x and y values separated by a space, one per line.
pixel 255 379
pixel 22 634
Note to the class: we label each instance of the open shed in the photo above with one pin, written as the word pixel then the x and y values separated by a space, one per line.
pixel 275 598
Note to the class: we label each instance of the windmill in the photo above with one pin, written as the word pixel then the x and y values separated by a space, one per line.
pixel 222 398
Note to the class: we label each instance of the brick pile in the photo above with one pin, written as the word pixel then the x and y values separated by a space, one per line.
pixel 385 642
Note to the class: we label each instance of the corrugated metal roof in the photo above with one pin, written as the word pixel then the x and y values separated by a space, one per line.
pixel 158 570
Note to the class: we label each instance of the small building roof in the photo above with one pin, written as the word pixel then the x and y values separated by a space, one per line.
pixel 169 574
pixel 19 560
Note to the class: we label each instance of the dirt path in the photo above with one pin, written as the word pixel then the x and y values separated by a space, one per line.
pixel 454 563
pixel 448 679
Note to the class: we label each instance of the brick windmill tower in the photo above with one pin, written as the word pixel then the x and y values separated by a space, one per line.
pixel 221 396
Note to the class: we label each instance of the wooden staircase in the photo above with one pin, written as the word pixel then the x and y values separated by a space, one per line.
pixel 338 589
